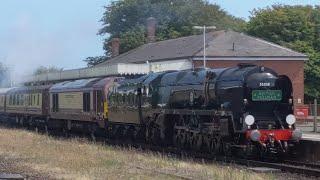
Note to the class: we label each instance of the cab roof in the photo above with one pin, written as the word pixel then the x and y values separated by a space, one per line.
pixel 75 85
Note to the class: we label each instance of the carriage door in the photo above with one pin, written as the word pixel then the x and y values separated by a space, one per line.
pixel 100 104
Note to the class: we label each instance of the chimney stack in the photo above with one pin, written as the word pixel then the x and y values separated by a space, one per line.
pixel 115 45
pixel 151 29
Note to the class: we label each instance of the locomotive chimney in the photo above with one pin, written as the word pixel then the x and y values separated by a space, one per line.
pixel 115 45
pixel 151 29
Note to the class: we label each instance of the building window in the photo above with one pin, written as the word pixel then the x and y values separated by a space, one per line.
pixel 86 102
pixel 55 103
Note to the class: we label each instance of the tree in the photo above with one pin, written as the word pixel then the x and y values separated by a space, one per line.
pixel 126 20
pixel 44 70
pixel 296 27
pixel 92 61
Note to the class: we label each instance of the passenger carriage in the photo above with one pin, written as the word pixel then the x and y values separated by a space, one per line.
pixel 28 105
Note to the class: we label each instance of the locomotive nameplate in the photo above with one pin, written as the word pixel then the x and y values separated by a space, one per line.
pixel 266 95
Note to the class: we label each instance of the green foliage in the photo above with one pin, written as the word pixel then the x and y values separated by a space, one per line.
pixel 131 39
pixel 312 69
pixel 92 61
pixel 126 19
pixel 297 27
pixel 44 70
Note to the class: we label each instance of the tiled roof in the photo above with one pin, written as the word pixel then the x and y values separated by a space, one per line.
pixel 219 44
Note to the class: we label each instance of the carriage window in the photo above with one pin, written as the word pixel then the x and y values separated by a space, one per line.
pixel 14 99
pixel 86 102
pixel 135 99
pixel 118 99
pixel 132 99
pixel 17 100
pixel 38 100
pixel 113 99
pixel 116 102
pixel 129 99
pixel 144 90
pixel 110 99
pixel 124 98
pixel 55 103
pixel 22 99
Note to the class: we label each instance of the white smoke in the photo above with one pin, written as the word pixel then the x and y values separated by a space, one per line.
pixel 25 44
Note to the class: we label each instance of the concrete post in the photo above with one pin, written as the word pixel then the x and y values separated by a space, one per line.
pixel 315 115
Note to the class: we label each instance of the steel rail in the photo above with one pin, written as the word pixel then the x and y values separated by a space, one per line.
pixel 301 163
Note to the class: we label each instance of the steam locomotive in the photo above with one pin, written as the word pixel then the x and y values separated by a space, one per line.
pixel 247 109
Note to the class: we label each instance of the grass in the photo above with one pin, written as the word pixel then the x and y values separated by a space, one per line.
pixel 43 157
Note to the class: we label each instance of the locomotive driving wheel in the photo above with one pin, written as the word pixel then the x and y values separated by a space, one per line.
pixel 196 141
pixel 213 146
pixel 153 134
pixel 176 138
pixel 179 139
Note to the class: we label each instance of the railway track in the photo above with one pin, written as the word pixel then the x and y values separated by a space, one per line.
pixel 290 166
pixel 300 168
pixel 287 166
pixel 304 164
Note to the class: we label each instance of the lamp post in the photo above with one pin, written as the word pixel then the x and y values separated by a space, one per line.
pixel 204 41
pixel 315 114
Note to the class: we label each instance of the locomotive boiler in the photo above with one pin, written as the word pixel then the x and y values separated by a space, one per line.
pixel 245 108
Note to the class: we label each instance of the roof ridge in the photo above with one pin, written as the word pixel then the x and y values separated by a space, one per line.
pixel 185 37
pixel 268 42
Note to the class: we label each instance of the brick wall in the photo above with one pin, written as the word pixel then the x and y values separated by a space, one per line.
pixel 293 69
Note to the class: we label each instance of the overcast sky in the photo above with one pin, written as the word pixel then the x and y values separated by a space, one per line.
pixel 63 32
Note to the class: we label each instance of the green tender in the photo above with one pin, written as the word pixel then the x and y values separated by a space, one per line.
pixel 266 95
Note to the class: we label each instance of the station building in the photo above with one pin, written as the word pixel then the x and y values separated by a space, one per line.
pixel 223 49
